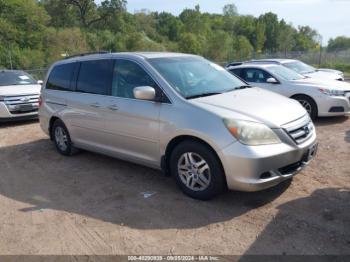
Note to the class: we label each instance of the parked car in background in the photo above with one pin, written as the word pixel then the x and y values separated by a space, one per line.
pixel 19 95
pixel 319 98
pixel 301 68
pixel 179 113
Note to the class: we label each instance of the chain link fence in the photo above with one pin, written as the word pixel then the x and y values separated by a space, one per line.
pixel 38 74
pixel 317 58
pixel 338 60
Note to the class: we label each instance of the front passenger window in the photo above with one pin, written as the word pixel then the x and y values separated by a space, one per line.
pixel 255 75
pixel 127 76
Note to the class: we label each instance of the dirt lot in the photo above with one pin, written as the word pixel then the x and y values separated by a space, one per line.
pixel 92 204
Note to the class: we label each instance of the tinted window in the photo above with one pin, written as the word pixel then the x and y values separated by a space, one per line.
pixel 127 76
pixel 95 77
pixel 60 77
pixel 236 72
pixel 255 75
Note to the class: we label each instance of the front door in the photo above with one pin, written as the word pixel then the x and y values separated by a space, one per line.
pixel 133 124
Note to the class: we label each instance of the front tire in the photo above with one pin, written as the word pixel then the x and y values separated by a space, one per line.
pixel 197 170
pixel 62 139
pixel 309 104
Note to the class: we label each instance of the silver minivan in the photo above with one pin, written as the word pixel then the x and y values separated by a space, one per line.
pixel 179 113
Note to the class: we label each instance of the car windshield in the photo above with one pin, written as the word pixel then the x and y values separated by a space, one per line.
pixel 285 73
pixel 9 78
pixel 195 76
pixel 300 67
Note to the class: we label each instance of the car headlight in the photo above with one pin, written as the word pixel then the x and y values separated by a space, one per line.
pixel 331 92
pixel 251 133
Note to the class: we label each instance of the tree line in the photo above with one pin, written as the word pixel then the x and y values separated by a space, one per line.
pixel 34 33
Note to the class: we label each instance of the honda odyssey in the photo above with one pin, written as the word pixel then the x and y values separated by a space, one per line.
pixel 179 113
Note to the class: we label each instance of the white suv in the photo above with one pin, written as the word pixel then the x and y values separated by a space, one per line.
pixel 19 95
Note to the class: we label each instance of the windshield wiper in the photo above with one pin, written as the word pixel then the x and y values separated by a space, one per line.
pixel 203 95
pixel 238 88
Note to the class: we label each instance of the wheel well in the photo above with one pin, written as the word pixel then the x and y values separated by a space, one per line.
pixel 176 141
pixel 296 95
pixel 52 120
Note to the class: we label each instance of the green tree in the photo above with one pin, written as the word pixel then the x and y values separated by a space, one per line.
pixel 306 38
pixel 61 13
pixel 286 37
pixel 230 10
pixel 259 35
pixel 168 25
pixel 219 46
pixel 339 43
pixel 271 31
pixel 243 48
pixel 189 44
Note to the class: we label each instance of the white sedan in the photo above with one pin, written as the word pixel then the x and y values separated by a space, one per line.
pixel 319 97
pixel 302 68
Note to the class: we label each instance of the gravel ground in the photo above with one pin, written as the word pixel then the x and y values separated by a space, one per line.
pixel 92 204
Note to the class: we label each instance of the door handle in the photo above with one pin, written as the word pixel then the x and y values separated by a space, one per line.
pixel 113 107
pixel 95 105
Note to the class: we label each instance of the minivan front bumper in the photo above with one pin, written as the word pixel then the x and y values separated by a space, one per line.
pixel 254 168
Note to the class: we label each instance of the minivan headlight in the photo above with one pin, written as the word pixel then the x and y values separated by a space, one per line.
pixel 251 133
pixel 332 92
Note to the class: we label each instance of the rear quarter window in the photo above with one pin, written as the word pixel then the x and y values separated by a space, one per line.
pixel 61 76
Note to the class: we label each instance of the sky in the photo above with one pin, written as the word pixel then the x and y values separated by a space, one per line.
pixel 331 18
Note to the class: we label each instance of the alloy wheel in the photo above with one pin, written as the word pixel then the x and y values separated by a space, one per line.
pixel 194 171
pixel 306 105
pixel 61 138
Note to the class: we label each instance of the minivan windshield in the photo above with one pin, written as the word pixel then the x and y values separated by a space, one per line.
pixel 9 78
pixel 195 76
pixel 300 67
pixel 285 73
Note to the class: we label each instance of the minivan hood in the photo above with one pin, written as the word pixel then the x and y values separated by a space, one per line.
pixel 17 90
pixel 325 83
pixel 258 104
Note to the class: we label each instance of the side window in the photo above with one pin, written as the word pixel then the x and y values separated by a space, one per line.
pixel 127 76
pixel 60 77
pixel 236 72
pixel 255 75
pixel 95 77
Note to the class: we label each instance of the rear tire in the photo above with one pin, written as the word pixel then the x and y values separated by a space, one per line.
pixel 197 170
pixel 309 104
pixel 61 138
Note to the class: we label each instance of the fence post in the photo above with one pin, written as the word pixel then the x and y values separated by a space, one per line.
pixel 320 57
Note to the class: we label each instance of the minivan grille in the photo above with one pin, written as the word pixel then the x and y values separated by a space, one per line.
pixel 22 104
pixel 301 131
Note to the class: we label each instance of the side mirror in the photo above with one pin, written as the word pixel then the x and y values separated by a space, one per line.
pixel 144 93
pixel 271 80
pixel 40 82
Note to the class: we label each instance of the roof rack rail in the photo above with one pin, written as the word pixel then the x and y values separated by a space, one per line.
pixel 263 61
pixel 234 64
pixel 89 53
